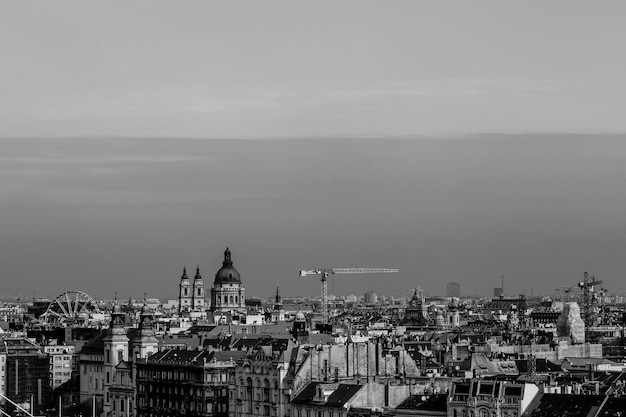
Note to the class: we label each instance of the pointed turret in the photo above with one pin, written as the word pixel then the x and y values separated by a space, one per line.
pixel 184 293
pixel 279 299
pixel 198 298
pixel 145 342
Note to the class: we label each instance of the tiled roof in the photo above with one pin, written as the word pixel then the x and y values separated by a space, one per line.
pixel 306 395
pixel 96 344
pixel 614 407
pixel 425 403
pixel 342 394
pixel 564 405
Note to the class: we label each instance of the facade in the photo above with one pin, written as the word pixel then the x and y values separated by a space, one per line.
pixel 191 296
pixel 27 375
pixel 489 398
pixel 119 390
pixel 227 293
pixel 355 361
pixel 193 380
pixel 260 385
pixel 3 365
pixel 62 363
pixel 91 370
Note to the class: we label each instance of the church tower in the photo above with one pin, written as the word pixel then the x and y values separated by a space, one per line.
pixel 115 356
pixel 184 293
pixel 199 301
pixel 145 342
pixel 227 293
pixel 278 313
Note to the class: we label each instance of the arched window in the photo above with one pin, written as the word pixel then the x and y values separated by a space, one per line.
pixel 237 299
pixel 231 299
pixel 225 299
pixel 266 390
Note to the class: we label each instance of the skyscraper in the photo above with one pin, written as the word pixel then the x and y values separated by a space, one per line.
pixel 453 289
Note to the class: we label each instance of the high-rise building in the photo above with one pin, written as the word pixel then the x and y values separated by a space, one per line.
pixel 453 289
pixel 371 297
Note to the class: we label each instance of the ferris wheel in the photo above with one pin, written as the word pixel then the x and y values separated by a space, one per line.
pixel 70 306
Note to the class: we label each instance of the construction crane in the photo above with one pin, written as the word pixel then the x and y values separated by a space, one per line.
pixel 590 298
pixel 324 278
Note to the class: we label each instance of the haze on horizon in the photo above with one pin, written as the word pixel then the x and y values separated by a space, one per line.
pixel 443 170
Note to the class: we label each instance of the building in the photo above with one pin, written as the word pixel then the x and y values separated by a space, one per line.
pixel 453 289
pixel 416 313
pixel 278 312
pixel 91 370
pixel 227 293
pixel 260 384
pixel 106 364
pixel 62 363
pixel 195 381
pixel 198 298
pixel 119 390
pixel 27 375
pixel 490 398
pixel 185 301
pixel 3 363
pixel 371 298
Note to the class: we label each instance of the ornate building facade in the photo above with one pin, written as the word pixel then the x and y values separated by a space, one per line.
pixel 227 293
pixel 191 296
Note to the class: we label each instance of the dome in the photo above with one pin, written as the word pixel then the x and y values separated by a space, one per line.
pixel 227 274
pixel 300 316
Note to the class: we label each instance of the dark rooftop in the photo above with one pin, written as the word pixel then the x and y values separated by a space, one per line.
pixel 564 405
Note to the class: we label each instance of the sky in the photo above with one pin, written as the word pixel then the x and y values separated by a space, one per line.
pixel 456 141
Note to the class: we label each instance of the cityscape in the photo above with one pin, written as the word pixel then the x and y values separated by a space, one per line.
pixel 215 350
pixel 282 208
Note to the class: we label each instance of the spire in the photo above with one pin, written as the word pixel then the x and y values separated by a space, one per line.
pixel 227 260
pixel 184 276
pixel 278 297
pixel 198 276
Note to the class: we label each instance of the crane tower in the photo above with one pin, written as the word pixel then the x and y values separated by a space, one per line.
pixel 327 271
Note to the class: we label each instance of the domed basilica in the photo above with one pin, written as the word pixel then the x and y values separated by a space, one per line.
pixel 227 293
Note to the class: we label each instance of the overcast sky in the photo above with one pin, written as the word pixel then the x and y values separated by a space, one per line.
pixel 496 144
pixel 295 68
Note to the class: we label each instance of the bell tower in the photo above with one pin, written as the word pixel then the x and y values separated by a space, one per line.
pixel 184 293
pixel 199 300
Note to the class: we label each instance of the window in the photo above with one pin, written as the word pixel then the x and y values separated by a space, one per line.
pixel 266 390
